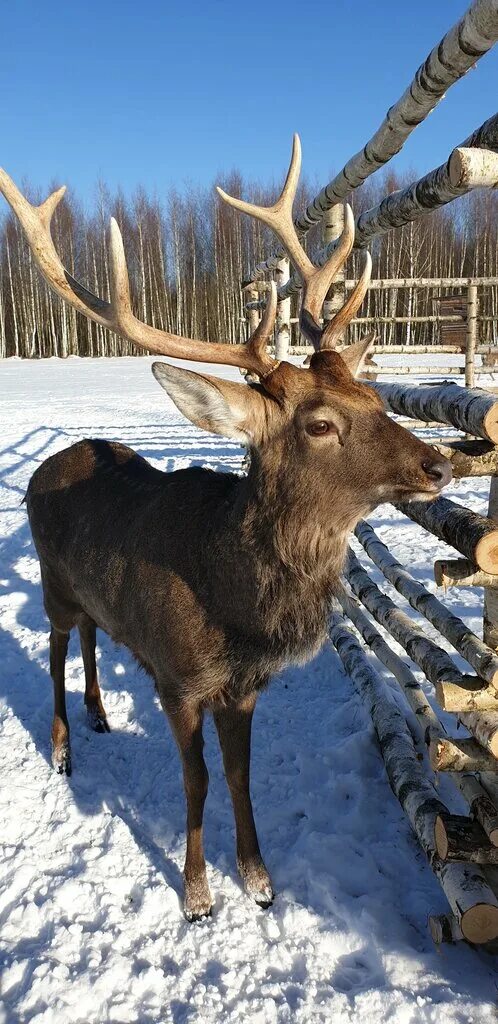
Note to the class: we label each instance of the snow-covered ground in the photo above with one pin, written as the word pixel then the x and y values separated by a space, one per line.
pixel 91 927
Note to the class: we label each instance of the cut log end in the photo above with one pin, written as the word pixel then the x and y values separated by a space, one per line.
pixel 465 695
pixel 479 924
pixel 486 552
pixel 490 423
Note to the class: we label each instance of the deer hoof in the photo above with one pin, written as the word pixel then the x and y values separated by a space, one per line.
pixel 198 903
pixel 61 758
pixel 97 719
pixel 257 885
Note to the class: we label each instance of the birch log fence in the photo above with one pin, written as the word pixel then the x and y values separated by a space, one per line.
pixel 464 682
pixel 414 737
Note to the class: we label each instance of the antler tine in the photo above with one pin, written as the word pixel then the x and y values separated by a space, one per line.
pixel 279 216
pixel 335 327
pixel 318 286
pixel 117 315
pixel 317 280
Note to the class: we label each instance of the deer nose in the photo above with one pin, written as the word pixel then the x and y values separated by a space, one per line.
pixel 438 469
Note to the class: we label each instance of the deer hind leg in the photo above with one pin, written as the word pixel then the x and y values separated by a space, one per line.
pixel 61 748
pixel 234 730
pixel 97 718
pixel 186 723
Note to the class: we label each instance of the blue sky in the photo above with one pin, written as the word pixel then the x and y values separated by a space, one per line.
pixel 171 93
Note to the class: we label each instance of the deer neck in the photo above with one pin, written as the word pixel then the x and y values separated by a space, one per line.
pixel 285 550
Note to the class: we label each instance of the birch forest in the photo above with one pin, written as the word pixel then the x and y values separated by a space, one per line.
pixel 189 254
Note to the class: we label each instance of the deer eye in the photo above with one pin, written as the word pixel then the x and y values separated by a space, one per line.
pixel 319 427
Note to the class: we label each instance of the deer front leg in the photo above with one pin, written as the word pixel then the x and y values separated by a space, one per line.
pixel 234 730
pixel 61 749
pixel 186 724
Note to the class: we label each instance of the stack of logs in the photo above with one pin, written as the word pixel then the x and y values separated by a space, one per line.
pixel 462 849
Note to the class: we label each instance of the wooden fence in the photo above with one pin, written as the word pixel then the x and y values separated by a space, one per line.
pixel 462 849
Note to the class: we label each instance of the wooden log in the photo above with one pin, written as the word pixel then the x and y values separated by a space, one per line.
pixel 429 193
pixel 490 614
pixel 482 659
pixel 427 719
pixel 435 662
pixel 444 928
pixel 420 371
pixel 473 535
pixel 459 572
pixel 470 410
pixel 480 803
pixel 471 334
pixel 282 340
pixel 457 837
pixel 450 755
pixel 470 458
pixel 473 903
pixel 433 78
pixel 467 697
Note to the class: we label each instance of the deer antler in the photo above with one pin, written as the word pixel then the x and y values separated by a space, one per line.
pixel 117 315
pixel 316 280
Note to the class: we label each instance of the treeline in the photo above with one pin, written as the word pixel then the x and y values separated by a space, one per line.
pixel 188 255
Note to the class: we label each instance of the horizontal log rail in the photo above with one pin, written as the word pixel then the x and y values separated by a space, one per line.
pixel 473 535
pixel 470 410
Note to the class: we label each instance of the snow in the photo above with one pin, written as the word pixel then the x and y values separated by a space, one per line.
pixel 91 928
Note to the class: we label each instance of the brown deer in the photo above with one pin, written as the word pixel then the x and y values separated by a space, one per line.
pixel 212 580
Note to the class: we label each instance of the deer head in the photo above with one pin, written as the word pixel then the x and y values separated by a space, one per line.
pixel 324 435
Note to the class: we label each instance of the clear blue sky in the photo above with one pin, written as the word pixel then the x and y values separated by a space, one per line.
pixel 165 93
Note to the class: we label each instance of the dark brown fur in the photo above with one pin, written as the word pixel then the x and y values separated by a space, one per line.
pixel 214 581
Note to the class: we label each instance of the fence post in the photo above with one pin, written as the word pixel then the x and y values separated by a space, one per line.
pixel 333 223
pixel 282 274
pixel 471 340
pixel 490 621
pixel 253 315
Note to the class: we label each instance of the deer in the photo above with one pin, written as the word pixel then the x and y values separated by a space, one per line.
pixel 216 581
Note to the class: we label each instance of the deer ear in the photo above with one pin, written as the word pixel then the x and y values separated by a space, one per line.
pixel 220 406
pixel 356 356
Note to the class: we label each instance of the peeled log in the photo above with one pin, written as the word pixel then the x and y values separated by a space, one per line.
pixel 468 409
pixel 472 901
pixel 473 535
pixel 459 572
pixel 450 755
pixel 482 658
pixel 459 838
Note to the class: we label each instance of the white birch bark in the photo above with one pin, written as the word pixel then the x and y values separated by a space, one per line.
pixel 472 901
